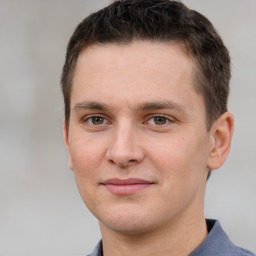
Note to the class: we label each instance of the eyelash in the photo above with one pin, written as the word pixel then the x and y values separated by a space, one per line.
pixel 89 120
pixel 164 119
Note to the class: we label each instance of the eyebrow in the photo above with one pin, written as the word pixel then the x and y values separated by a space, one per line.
pixel 160 105
pixel 147 106
pixel 90 105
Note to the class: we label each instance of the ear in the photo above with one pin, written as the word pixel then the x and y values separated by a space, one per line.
pixel 65 135
pixel 221 134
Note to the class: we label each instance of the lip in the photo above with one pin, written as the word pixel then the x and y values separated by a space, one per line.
pixel 126 186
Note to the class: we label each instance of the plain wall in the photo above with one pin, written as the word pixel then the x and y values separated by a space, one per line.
pixel 41 212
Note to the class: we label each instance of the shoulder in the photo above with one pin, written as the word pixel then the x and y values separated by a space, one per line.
pixel 218 243
pixel 241 251
pixel 238 251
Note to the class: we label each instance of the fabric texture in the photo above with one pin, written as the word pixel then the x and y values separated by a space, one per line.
pixel 216 243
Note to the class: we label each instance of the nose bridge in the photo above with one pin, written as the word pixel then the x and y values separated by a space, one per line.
pixel 124 149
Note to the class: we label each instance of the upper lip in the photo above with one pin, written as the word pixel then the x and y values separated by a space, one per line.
pixel 117 181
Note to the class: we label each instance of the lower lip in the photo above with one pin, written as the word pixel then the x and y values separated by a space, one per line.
pixel 126 189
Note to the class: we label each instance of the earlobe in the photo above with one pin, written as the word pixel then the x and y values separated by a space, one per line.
pixel 66 141
pixel 221 132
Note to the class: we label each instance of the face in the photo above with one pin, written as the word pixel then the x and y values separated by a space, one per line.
pixel 137 139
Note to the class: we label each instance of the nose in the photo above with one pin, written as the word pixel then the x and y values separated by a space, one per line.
pixel 125 149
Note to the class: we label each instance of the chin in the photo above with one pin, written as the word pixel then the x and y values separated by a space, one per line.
pixel 130 223
pixel 128 228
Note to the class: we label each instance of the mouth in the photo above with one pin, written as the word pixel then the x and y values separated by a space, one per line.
pixel 126 186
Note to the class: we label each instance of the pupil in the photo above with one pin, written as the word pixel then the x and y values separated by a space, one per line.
pixel 160 120
pixel 97 120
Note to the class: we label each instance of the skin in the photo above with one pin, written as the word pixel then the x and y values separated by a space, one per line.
pixel 135 114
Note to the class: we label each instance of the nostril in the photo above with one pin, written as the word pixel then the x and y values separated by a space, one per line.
pixel 111 161
pixel 124 154
pixel 123 163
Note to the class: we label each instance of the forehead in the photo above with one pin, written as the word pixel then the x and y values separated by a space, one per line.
pixel 148 52
pixel 139 59
pixel 139 72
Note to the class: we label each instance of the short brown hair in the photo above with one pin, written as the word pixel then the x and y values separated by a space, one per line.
pixel 124 21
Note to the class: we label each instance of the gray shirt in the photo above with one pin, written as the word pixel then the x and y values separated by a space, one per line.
pixel 216 243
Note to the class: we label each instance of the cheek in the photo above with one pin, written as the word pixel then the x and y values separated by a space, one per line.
pixel 86 156
pixel 85 161
pixel 170 152
pixel 180 158
pixel 181 165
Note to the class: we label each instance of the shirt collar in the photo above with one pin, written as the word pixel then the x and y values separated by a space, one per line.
pixel 215 242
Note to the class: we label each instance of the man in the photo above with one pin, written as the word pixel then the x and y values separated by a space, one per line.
pixel 145 86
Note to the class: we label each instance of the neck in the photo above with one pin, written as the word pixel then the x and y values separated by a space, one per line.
pixel 179 238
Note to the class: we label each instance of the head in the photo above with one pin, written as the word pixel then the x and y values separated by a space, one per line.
pixel 145 84
pixel 126 21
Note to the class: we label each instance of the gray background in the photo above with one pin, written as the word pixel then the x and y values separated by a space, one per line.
pixel 41 212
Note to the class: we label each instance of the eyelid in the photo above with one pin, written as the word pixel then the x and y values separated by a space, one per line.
pixel 168 118
pixel 90 116
pixel 108 120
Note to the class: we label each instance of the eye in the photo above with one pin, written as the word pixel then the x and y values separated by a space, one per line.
pixel 158 120
pixel 96 120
